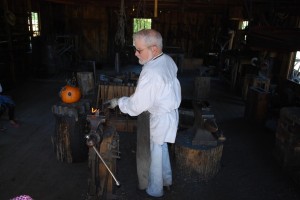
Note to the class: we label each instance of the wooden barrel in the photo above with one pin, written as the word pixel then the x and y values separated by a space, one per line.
pixel 196 162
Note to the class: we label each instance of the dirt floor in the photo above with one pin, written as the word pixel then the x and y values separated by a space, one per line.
pixel 28 164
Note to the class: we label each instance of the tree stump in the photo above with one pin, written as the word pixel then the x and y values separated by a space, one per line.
pixel 196 162
pixel 70 128
pixel 100 182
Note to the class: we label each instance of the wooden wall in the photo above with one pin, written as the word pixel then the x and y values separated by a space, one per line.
pixel 95 26
pixel 73 31
pixel 14 41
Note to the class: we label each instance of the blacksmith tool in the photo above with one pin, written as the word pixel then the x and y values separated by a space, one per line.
pixel 91 141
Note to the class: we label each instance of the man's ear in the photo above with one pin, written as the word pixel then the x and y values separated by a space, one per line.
pixel 154 48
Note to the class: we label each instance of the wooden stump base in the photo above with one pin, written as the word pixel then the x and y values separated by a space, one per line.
pixel 196 162
pixel 100 182
pixel 68 139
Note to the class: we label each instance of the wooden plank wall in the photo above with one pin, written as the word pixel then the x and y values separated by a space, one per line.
pixel 14 40
pixel 107 92
pixel 194 32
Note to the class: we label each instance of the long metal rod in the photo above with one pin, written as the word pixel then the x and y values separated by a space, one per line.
pixel 117 182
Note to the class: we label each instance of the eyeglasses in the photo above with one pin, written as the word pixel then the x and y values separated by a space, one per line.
pixel 139 50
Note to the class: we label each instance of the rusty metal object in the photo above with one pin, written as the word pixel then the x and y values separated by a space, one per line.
pixel 210 125
pixel 202 126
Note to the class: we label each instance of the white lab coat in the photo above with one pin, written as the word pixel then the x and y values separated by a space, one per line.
pixel 159 92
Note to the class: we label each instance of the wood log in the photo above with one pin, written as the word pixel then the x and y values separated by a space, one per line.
pixel 196 162
pixel 108 148
pixel 70 127
pixel 100 182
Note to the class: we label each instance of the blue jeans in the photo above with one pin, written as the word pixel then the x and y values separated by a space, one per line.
pixel 160 173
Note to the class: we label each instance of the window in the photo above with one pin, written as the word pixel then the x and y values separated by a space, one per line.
pixel 243 25
pixel 141 23
pixel 33 24
pixel 295 70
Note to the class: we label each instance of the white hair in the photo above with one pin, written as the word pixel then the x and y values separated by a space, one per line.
pixel 150 36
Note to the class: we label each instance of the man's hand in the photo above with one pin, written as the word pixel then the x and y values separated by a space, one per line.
pixel 113 103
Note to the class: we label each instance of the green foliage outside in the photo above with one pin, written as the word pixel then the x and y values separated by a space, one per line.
pixel 141 23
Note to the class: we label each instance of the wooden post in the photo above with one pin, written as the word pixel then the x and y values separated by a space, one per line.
pixel 143 149
pixel 155 8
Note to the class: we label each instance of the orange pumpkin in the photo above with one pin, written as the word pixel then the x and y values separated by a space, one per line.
pixel 70 94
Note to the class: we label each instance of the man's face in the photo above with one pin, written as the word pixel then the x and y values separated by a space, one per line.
pixel 142 51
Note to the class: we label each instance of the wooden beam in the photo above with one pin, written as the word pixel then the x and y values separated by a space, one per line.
pixel 155 8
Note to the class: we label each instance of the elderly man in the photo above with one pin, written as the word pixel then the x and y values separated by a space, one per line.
pixel 158 93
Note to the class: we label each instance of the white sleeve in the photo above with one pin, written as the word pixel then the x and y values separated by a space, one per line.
pixel 143 97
